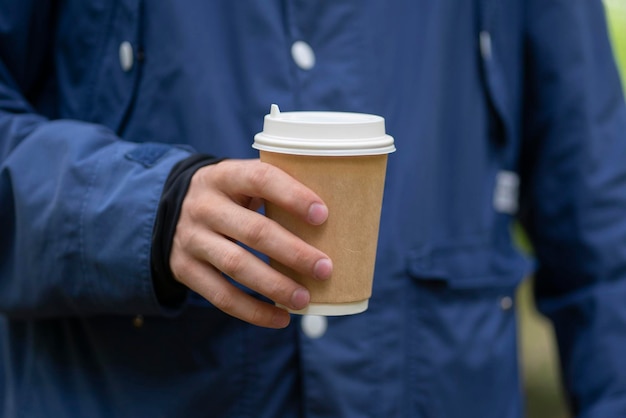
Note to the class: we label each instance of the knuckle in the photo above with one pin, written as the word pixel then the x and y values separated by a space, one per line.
pixel 184 242
pixel 260 177
pixel 256 231
pixel 279 292
pixel 215 173
pixel 257 316
pixel 180 269
pixel 193 208
pixel 222 299
pixel 208 176
pixel 300 256
pixel 199 181
pixel 190 211
pixel 232 263
pixel 197 178
pixel 213 216
pixel 181 265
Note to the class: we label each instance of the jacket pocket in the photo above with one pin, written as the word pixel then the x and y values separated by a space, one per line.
pixel 467 263
pixel 462 325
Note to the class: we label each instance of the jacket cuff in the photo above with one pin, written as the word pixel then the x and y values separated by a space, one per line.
pixel 169 292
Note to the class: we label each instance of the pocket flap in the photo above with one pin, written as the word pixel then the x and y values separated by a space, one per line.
pixel 468 264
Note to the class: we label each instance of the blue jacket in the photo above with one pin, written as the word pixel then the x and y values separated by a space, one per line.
pixel 99 99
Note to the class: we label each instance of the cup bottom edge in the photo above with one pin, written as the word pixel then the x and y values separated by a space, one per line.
pixel 330 309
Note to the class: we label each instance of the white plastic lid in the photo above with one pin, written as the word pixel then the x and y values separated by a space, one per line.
pixel 323 133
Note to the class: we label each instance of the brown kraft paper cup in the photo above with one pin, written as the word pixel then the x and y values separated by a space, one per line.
pixel 352 188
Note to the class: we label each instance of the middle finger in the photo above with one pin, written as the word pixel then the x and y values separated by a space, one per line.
pixel 268 237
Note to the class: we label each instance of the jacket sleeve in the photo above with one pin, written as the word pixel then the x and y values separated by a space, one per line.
pixel 574 197
pixel 77 203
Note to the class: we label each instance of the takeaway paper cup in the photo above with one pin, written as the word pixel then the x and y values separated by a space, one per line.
pixel 343 158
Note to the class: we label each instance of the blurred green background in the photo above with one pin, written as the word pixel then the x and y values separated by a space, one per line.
pixel 616 17
pixel 539 358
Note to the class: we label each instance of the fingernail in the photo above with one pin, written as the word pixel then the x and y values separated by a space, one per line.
pixel 281 320
pixel 317 214
pixel 323 268
pixel 300 298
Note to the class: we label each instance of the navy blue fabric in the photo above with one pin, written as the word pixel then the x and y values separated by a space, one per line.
pixel 81 178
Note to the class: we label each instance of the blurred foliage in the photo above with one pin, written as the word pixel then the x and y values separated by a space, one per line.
pixel 616 18
pixel 541 371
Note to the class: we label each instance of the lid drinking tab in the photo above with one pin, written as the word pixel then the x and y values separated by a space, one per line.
pixel 274 111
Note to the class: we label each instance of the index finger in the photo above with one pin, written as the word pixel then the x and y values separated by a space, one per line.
pixel 261 180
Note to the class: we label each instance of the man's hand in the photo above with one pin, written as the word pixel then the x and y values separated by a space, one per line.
pixel 220 210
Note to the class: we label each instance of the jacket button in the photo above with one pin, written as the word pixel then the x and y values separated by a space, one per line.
pixel 506 303
pixel 314 326
pixel 303 55
pixel 126 56
pixel 484 42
